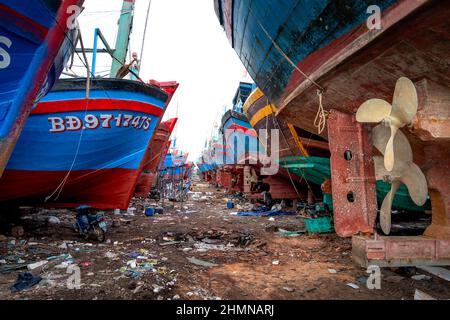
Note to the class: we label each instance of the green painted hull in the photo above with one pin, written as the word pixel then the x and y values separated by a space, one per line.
pixel 316 170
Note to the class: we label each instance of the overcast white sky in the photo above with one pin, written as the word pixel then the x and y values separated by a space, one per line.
pixel 185 43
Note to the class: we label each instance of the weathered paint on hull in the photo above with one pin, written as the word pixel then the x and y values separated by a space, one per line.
pixel 262 116
pixel 35 45
pixel 299 28
pixel 153 156
pixel 351 62
pixel 240 139
pixel 84 151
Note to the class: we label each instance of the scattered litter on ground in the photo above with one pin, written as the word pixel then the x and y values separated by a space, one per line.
pixel 37 267
pixel 265 213
pixel 153 258
pixel 110 255
pixel 352 285
pixel 420 277
pixel 12 267
pixel 286 233
pixel 24 281
pixel 203 247
pixel 332 271
pixel 63 246
pixel 54 220
pixel 202 263
pixel 86 264
pixel 190 211
pixel 169 243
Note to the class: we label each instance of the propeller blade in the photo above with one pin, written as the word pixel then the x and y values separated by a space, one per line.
pixel 380 137
pixel 373 110
pixel 415 181
pixel 389 156
pixel 402 148
pixel 380 170
pixel 386 208
pixel 405 101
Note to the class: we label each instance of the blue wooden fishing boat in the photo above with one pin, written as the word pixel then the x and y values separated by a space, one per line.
pixel 265 33
pixel 75 150
pixel 239 138
pixel 175 165
pixel 36 40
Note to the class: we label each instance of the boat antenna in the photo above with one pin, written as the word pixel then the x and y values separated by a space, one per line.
pixel 145 32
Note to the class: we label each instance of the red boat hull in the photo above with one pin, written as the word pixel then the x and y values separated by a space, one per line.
pixel 110 186
pixel 153 156
pixel 145 184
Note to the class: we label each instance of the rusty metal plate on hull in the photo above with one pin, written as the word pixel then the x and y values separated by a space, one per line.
pixel 352 175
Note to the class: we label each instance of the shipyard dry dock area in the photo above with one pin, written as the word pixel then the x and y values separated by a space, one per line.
pixel 201 250
pixel 225 150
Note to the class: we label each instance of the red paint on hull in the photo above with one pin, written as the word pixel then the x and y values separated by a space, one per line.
pixel 101 189
pixel 96 104
pixel 152 157
pixel 244 130
pixel 145 184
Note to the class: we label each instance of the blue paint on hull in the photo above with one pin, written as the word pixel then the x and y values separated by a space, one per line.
pixel 39 149
pixel 239 145
pixel 299 27
pixel 32 58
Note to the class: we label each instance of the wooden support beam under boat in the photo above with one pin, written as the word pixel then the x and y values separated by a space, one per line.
pixel 310 143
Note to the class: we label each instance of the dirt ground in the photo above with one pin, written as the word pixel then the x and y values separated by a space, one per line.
pixel 247 259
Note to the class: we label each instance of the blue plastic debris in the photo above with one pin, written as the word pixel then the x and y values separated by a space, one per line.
pixel 149 212
pixel 134 255
pixel 24 281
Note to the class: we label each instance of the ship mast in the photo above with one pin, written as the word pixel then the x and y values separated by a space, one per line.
pixel 123 36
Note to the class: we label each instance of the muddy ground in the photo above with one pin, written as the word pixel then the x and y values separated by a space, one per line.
pixel 245 258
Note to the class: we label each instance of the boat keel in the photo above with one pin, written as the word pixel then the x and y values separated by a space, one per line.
pixel 353 178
